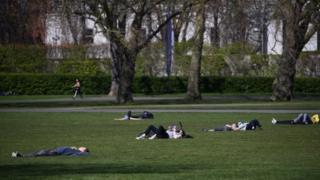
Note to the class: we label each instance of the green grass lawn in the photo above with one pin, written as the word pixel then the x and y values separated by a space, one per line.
pixel 276 152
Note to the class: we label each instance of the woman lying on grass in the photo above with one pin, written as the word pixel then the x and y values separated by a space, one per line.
pixel 302 118
pixel 58 151
pixel 173 132
pixel 239 126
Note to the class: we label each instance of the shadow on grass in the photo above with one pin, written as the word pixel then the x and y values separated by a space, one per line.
pixel 44 170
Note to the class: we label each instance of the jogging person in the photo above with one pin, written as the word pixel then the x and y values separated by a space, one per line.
pixel 77 89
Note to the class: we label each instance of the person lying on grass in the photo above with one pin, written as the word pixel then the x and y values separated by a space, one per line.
pixel 142 116
pixel 58 151
pixel 239 126
pixel 153 132
pixel 302 118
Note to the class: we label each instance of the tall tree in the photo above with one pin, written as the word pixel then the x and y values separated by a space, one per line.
pixel 193 91
pixel 122 25
pixel 124 49
pixel 301 20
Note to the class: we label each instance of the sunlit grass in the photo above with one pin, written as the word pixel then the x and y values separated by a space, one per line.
pixel 276 152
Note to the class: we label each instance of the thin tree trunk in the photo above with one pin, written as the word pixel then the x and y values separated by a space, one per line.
pixel 193 92
pixel 215 32
pixel 318 40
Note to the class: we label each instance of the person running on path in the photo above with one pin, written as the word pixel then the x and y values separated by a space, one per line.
pixel 77 89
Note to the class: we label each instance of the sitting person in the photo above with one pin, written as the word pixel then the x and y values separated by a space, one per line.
pixel 67 151
pixel 302 118
pixel 239 126
pixel 173 132
pixel 142 116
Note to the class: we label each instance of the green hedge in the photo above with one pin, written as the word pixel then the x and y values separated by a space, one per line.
pixel 55 84
pixel 51 84
pixel 20 58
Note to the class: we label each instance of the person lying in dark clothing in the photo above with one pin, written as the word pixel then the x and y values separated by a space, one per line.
pixel 302 118
pixel 173 132
pixel 140 116
pixel 58 151
pixel 239 126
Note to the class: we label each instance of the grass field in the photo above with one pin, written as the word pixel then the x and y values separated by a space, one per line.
pixel 276 152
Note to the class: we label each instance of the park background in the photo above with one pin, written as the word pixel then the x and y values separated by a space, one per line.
pixel 201 62
pixel 245 47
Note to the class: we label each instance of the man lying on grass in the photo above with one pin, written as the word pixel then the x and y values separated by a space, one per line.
pixel 67 151
pixel 239 126
pixel 142 116
pixel 173 132
pixel 300 119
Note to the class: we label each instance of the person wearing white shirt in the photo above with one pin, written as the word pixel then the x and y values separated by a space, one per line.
pixel 160 132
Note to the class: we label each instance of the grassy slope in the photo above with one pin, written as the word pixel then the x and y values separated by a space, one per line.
pixel 276 152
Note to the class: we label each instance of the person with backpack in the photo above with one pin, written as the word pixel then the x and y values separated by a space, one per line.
pixel 239 126
pixel 141 116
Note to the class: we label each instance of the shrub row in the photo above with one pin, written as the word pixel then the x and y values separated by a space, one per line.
pixel 55 84
pixel 51 84
pixel 20 58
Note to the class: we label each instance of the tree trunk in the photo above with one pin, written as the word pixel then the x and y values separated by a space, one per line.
pixel 318 40
pixel 115 78
pixel 296 33
pixel 215 35
pixel 124 69
pixel 193 92
pixel 114 86
pixel 126 80
pixel 284 81
pixel 292 47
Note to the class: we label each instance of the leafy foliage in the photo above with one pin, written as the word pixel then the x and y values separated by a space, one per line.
pixel 61 84
pixel 19 58
pixel 52 84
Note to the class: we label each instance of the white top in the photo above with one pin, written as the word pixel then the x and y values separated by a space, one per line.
pixel 242 126
pixel 174 134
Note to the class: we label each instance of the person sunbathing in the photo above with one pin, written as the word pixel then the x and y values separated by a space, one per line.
pixel 58 151
pixel 142 116
pixel 239 126
pixel 153 132
pixel 302 118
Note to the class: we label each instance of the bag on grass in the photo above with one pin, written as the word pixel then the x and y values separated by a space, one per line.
pixel 147 115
